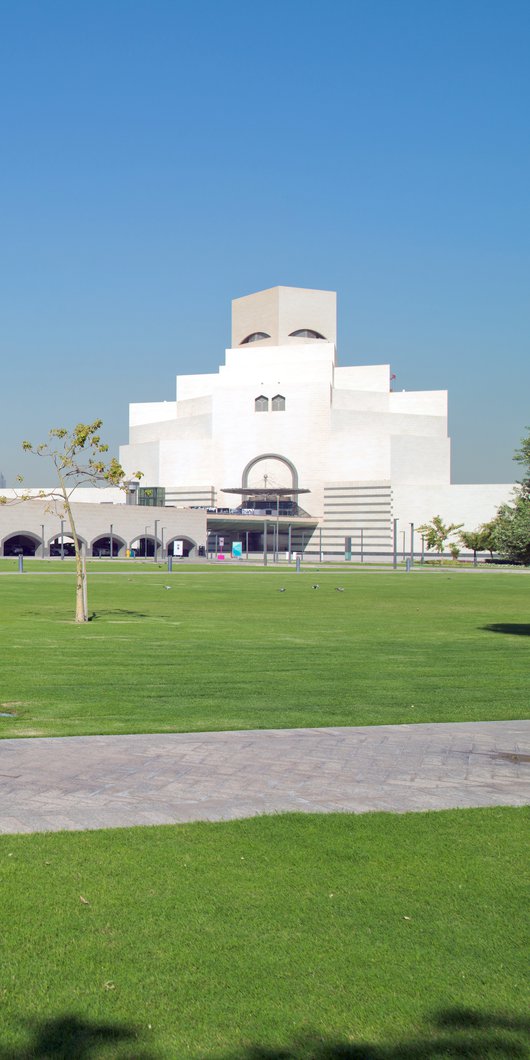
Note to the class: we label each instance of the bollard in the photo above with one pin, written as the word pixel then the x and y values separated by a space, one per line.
pixel 170 563
pixel 408 565
pixel 298 564
pixel 21 564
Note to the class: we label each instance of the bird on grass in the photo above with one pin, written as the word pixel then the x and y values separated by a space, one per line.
pixel 281 590
pixel 168 586
pixel 315 586
pixel 339 588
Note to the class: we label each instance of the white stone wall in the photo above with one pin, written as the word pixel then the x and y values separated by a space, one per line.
pixel 471 504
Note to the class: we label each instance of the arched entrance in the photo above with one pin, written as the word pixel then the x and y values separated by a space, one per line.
pixel 21 545
pixel 101 546
pixel 64 546
pixel 144 546
pixel 189 547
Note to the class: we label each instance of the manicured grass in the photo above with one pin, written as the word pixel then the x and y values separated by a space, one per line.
pixel 391 934
pixel 227 650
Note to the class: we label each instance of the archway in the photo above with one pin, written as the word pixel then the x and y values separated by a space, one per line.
pixel 64 545
pixel 189 547
pixel 144 546
pixel 274 466
pixel 21 544
pixel 101 546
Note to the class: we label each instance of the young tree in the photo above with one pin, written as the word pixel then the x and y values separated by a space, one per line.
pixel 477 540
pixel 77 457
pixel 436 533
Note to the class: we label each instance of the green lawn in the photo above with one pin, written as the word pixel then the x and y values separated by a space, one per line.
pixel 275 937
pixel 224 649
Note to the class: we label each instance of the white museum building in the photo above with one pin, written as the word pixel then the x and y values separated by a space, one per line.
pixel 282 448
pixel 281 416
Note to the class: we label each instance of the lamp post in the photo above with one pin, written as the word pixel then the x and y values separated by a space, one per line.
pixel 42 536
pixel 145 539
pixel 111 543
pixel 155 553
pixel 278 513
pixel 412 542
pixel 162 528
pixel 62 538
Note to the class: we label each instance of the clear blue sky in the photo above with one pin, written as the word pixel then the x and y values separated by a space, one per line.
pixel 160 158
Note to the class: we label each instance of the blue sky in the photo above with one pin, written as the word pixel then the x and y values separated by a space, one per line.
pixel 159 159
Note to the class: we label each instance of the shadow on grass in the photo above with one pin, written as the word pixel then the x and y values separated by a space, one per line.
pixel 519 629
pixel 457 1034
pixel 117 611
pixel 72 1038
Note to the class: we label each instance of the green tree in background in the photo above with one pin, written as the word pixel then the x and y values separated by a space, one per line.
pixel 436 533
pixel 511 527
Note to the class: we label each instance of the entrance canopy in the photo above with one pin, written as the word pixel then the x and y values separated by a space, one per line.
pixel 258 500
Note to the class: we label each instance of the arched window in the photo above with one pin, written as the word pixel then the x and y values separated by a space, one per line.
pixel 255 337
pixel 306 333
pixel 261 404
pixel 278 403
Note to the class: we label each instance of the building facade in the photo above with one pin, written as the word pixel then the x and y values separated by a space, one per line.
pixel 281 415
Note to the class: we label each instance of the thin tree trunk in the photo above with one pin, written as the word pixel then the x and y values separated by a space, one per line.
pixel 81 595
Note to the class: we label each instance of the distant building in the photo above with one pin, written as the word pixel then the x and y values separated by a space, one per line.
pixel 283 432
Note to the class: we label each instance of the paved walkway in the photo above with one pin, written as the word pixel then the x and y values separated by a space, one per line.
pixel 88 782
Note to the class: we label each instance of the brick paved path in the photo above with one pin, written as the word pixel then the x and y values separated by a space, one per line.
pixel 111 781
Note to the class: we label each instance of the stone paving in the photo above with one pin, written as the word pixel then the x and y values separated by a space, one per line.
pixel 89 782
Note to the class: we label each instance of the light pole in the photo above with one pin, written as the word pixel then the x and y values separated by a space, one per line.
pixel 111 548
pixel 145 540
pixel 155 553
pixel 162 540
pixel 62 538
pixel 278 528
pixel 42 536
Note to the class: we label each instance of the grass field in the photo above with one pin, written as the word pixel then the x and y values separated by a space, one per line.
pixel 224 649
pixel 379 936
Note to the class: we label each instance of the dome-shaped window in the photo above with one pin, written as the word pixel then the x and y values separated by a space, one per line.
pixel 255 337
pixel 261 404
pixel 278 403
pixel 306 333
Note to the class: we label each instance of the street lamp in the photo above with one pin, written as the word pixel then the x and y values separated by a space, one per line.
pixel 145 540
pixel 155 549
